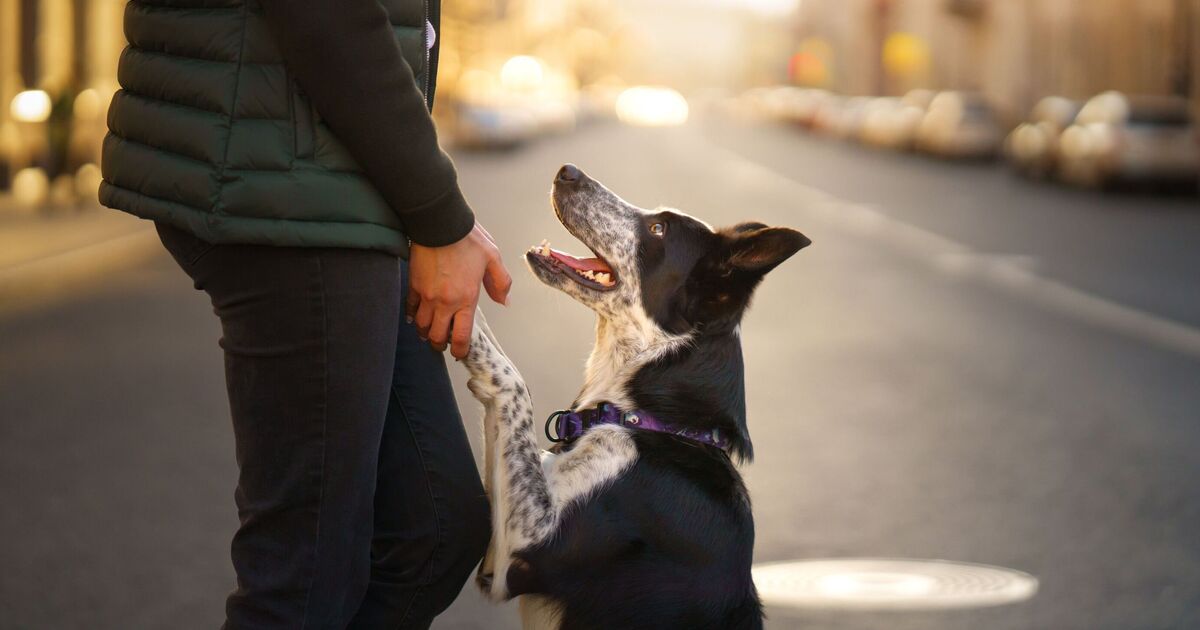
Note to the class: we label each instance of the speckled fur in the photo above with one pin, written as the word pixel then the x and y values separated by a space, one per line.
pixel 529 489
pixel 626 337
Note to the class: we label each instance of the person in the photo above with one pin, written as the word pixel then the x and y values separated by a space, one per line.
pixel 285 151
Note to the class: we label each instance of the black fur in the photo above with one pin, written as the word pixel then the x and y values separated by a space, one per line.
pixel 698 281
pixel 667 545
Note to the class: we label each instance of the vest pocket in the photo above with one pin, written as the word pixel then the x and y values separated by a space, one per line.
pixel 303 123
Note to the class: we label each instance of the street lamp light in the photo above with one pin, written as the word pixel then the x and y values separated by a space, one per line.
pixel 31 106
pixel 522 74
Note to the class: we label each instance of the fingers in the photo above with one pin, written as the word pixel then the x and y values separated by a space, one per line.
pixel 423 319
pixel 497 281
pixel 410 305
pixel 439 330
pixel 460 340
pixel 444 289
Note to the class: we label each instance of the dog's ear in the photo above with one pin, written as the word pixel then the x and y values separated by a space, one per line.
pixel 748 226
pixel 756 248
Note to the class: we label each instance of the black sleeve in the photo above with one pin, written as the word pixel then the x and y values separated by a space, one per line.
pixel 346 57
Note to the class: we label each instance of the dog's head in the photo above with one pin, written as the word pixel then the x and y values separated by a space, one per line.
pixel 660 266
pixel 670 292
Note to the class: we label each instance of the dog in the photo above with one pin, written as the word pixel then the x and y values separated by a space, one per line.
pixel 637 517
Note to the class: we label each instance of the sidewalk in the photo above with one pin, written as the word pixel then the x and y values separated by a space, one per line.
pixel 44 254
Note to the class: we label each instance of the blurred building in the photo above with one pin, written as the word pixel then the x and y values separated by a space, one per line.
pixel 58 58
pixel 688 44
pixel 58 67
pixel 514 70
pixel 1014 51
pixel 699 44
pixel 58 62
pixel 579 39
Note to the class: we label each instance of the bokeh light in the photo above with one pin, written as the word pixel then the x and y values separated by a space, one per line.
pixel 652 106
pixel 87 181
pixel 31 106
pixel 522 73
pixel 89 105
pixel 30 187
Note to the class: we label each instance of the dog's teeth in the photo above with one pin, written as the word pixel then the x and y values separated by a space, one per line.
pixel 603 278
pixel 589 274
pixel 546 248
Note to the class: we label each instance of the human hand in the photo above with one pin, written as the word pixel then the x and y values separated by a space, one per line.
pixel 443 288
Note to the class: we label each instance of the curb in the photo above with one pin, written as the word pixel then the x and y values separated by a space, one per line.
pixel 41 279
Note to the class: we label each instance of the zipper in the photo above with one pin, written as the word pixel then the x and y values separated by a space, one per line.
pixel 425 40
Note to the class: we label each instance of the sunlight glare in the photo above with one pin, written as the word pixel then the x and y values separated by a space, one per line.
pixel 651 106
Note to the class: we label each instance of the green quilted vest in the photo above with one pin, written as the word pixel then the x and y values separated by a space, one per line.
pixel 211 135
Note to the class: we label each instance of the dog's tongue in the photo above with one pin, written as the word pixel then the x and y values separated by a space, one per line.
pixel 580 264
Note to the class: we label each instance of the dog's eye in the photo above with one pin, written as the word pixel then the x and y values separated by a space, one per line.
pixel 658 229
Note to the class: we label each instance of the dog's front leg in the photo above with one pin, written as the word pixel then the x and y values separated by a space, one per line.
pixel 487 568
pixel 484 391
pixel 522 510
pixel 528 488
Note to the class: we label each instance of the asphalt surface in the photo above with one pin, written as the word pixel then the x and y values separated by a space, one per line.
pixel 963 366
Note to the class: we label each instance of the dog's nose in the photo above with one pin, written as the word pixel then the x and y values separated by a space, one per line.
pixel 569 173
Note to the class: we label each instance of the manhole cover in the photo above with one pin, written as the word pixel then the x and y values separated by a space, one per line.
pixel 890 584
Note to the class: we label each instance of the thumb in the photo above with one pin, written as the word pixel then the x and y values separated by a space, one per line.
pixel 496 281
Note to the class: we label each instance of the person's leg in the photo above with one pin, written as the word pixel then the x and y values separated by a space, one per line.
pixel 432 520
pixel 308 336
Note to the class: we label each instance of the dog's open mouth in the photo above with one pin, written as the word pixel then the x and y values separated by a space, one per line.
pixel 592 273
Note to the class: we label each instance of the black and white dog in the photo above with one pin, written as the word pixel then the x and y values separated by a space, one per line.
pixel 637 518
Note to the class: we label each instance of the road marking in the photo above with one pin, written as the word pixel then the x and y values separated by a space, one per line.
pixel 890 584
pixel 1015 274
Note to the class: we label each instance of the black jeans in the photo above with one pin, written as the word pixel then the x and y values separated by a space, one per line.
pixel 359 499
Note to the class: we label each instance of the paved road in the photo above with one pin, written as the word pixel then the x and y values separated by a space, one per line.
pixel 917 389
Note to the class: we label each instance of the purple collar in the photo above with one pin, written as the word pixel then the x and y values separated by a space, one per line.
pixel 571 425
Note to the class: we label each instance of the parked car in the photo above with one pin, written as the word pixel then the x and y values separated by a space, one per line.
pixel 919 98
pixel 840 117
pixel 877 128
pixel 892 123
pixel 774 103
pixel 1032 148
pixel 552 116
pixel 489 125
pixel 1122 139
pixel 959 125
pixel 805 105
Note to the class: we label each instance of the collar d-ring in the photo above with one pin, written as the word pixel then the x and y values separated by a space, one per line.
pixel 554 416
